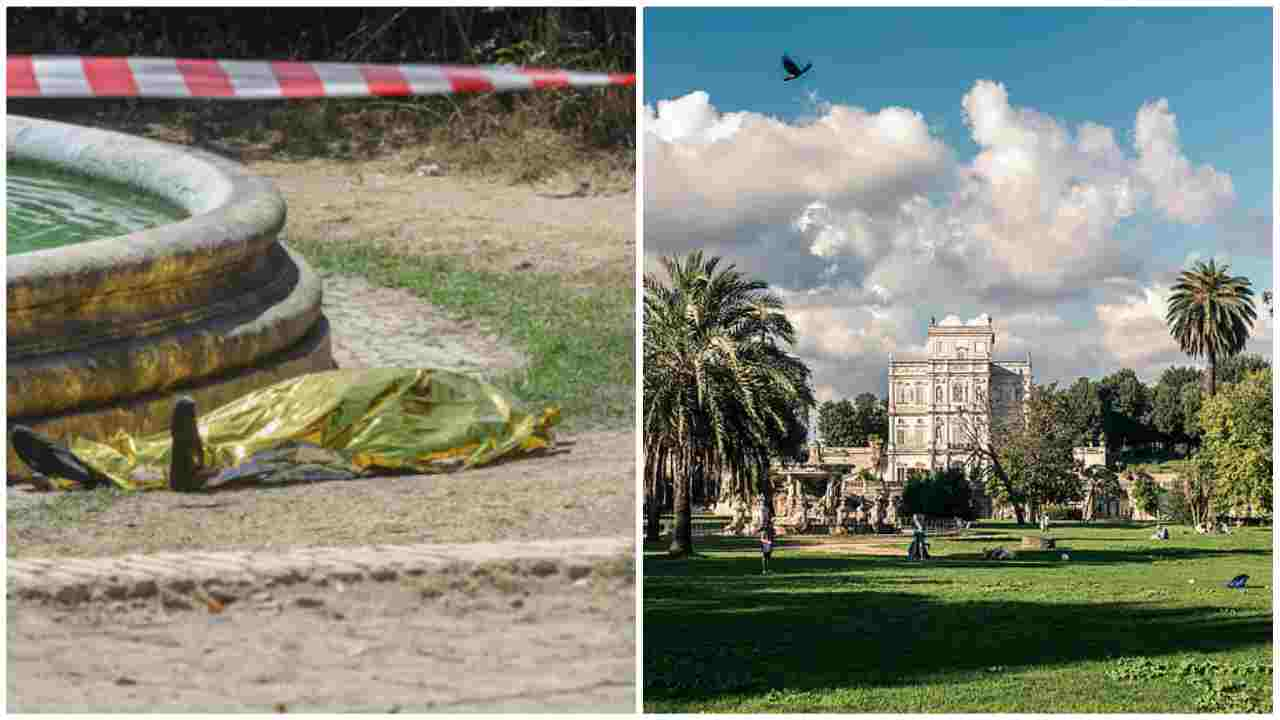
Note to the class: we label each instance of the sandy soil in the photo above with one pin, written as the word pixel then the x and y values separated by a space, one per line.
pixel 584 489
pixel 366 647
pixel 489 225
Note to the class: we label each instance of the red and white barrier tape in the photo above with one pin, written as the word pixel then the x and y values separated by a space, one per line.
pixel 81 77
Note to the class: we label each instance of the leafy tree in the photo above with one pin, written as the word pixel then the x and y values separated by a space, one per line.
pixel 985 437
pixel 1083 411
pixel 838 424
pixel 872 417
pixel 1197 484
pixel 1234 369
pixel 1192 398
pixel 955 494
pixel 1042 456
pixel 852 424
pixel 721 395
pixel 1125 394
pixel 942 493
pixel 1211 314
pixel 1238 442
pixel 917 493
pixel 1028 456
pixel 1167 405
pixel 1100 483
pixel 1126 405
pixel 1146 492
pixel 1178 509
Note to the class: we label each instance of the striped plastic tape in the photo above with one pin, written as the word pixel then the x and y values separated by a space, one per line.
pixel 81 77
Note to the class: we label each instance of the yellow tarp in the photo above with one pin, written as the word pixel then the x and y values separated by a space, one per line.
pixel 337 424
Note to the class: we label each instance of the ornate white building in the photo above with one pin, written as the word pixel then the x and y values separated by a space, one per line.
pixel 937 402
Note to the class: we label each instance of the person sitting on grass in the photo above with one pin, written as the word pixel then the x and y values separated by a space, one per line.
pixel 766 548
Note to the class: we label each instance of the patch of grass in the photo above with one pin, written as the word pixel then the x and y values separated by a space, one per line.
pixel 835 630
pixel 580 341
pixel 63 509
pixel 1153 461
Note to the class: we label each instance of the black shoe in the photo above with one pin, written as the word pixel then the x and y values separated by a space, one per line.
pixel 45 457
pixel 187 454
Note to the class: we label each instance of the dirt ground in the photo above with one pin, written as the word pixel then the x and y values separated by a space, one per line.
pixel 587 238
pixel 372 646
pixel 377 647
pixel 586 488
pixel 366 647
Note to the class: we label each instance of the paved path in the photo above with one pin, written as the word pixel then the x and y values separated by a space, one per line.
pixel 377 327
pixel 73 580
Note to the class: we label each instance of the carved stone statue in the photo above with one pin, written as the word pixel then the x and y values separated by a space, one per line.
pixel 877 456
pixel 882 511
pixel 919 549
pixel 741 520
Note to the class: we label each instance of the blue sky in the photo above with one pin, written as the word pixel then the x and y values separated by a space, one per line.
pixel 1204 187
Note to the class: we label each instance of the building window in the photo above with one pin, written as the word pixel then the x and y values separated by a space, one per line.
pixel 902 475
pixel 938 394
pixel 960 352
pixel 902 436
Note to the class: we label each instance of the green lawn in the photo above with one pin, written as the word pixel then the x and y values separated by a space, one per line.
pixel 1118 627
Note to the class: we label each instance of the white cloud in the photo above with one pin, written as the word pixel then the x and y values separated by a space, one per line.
pixel 691 120
pixel 1184 193
pixel 869 226
pixel 955 321
pixel 1134 331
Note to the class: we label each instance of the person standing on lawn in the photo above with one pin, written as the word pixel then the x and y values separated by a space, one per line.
pixel 766 548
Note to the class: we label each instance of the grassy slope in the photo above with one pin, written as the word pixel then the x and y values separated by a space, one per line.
pixel 1116 628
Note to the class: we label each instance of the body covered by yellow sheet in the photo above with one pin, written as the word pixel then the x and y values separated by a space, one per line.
pixel 349 421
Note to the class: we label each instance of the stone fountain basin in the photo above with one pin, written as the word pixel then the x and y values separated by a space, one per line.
pixel 102 335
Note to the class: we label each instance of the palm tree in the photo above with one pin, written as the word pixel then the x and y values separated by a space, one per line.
pixel 721 396
pixel 1211 313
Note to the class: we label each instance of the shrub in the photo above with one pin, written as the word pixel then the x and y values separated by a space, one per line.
pixel 944 493
pixel 1063 512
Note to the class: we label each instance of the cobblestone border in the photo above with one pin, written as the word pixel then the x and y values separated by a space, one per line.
pixel 79 580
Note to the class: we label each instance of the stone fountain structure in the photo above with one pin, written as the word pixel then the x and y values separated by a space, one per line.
pixel 103 335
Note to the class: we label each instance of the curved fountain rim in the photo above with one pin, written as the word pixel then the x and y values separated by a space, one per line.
pixel 231 209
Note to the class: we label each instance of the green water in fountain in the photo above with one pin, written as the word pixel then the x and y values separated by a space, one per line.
pixel 48 207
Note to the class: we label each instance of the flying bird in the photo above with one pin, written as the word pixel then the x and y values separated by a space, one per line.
pixel 793 70
pixel 1238 582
